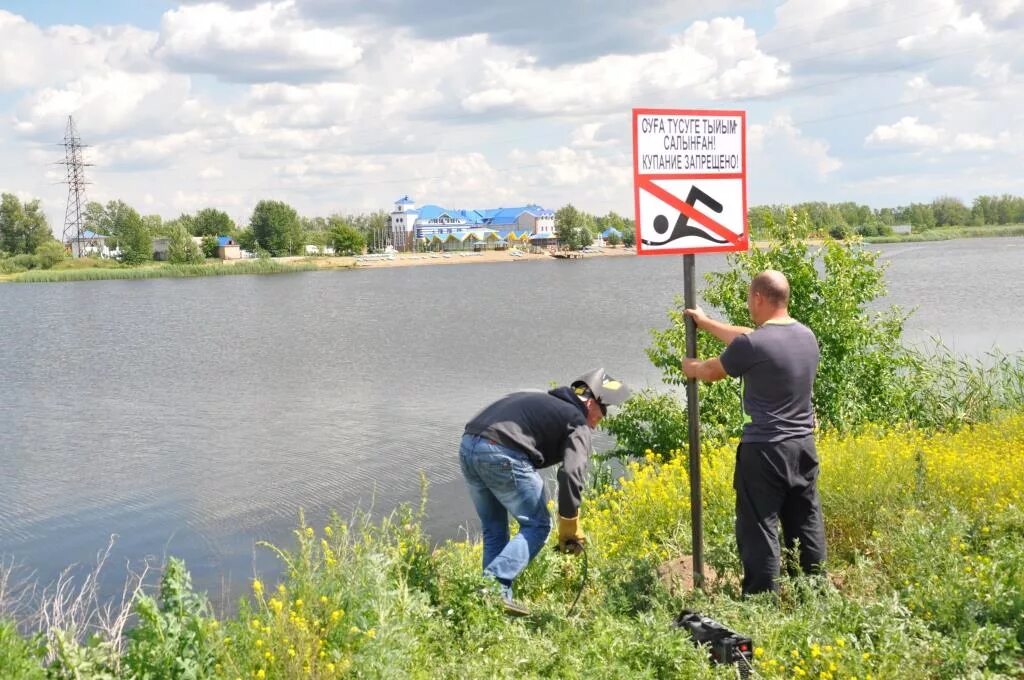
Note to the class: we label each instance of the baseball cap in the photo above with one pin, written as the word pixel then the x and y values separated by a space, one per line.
pixel 601 386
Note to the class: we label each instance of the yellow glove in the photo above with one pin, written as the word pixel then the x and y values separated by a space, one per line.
pixel 570 538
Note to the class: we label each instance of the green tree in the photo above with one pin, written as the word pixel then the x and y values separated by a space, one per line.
pixel 23 227
pixel 950 211
pixel 133 238
pixel 209 247
pixel 313 237
pixel 111 219
pixel 182 249
pixel 346 239
pixel 920 216
pixel 50 253
pixel 211 222
pixel 93 218
pixel 613 239
pixel 629 237
pixel 861 377
pixel 247 241
pixel 276 228
pixel 570 225
pixel 155 226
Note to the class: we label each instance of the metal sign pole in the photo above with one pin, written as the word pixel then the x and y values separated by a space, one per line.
pixel 693 411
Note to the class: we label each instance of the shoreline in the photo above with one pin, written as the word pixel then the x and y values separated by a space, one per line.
pixel 305 263
pixel 420 259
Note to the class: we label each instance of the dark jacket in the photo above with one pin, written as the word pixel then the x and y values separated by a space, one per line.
pixel 550 428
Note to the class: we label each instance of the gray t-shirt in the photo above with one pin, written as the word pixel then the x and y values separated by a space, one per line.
pixel 777 362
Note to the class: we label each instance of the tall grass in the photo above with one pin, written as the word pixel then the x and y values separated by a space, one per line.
pixel 949 233
pixel 164 271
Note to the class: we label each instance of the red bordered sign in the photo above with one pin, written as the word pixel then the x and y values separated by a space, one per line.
pixel 690 181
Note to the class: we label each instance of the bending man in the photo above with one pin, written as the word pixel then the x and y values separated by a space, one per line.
pixel 503 447
pixel 776 476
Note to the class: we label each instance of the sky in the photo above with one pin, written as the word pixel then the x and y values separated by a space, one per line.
pixel 345 106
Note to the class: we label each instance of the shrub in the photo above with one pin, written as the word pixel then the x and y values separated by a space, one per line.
pixel 860 377
pixel 20 659
pixel 50 254
pixel 175 636
pixel 25 261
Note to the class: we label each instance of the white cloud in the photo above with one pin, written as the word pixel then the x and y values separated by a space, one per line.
pixel 594 136
pixel 153 152
pixel 780 138
pixel 269 42
pixel 109 103
pixel 909 132
pixel 710 60
pixel 34 57
pixel 211 173
pixel 312 106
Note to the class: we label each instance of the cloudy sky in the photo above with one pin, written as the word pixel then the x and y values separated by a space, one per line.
pixel 342 106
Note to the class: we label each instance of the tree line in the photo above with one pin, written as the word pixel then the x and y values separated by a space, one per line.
pixel 275 228
pixel 576 229
pixel 845 219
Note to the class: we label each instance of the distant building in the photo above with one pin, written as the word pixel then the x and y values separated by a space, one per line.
pixel 228 248
pixel 901 229
pixel 432 226
pixel 90 243
pixel 161 249
pixel 608 233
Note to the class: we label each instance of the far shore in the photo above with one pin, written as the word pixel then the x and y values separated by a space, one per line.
pixel 298 263
pixel 420 259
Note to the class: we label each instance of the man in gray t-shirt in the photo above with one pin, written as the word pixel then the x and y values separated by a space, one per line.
pixel 776 477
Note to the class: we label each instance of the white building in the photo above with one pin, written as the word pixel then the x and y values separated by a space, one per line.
pixel 90 243
pixel 412 226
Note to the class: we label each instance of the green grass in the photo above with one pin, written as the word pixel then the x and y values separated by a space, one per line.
pixel 162 271
pixel 949 233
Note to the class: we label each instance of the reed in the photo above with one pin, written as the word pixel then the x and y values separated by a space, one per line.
pixel 950 233
pixel 163 271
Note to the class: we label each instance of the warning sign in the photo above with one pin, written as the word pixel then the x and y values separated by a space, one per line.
pixel 690 181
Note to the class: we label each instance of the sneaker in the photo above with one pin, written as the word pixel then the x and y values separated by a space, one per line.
pixel 512 608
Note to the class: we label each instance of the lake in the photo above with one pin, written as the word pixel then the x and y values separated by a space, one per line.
pixel 194 417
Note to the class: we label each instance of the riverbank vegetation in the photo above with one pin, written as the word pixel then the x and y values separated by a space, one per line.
pixel 946 214
pixel 161 270
pixel 950 233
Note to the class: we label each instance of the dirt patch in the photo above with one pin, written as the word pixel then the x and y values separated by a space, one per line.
pixel 677 575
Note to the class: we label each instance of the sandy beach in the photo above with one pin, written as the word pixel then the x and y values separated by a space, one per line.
pixel 419 259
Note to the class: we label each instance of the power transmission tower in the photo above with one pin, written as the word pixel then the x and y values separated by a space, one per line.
pixel 75 179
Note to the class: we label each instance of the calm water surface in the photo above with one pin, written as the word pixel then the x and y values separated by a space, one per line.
pixel 196 417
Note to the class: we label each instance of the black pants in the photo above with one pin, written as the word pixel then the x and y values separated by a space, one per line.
pixel 777 482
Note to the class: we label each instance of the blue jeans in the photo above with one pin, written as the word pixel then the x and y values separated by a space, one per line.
pixel 503 482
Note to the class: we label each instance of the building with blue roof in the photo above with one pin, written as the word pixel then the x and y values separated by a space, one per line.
pixel 433 226
pixel 88 243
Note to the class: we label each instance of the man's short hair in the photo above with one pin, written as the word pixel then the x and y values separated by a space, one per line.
pixel 772 286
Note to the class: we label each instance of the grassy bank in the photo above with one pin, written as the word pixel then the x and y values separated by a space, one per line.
pixel 159 271
pixel 926 581
pixel 949 233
